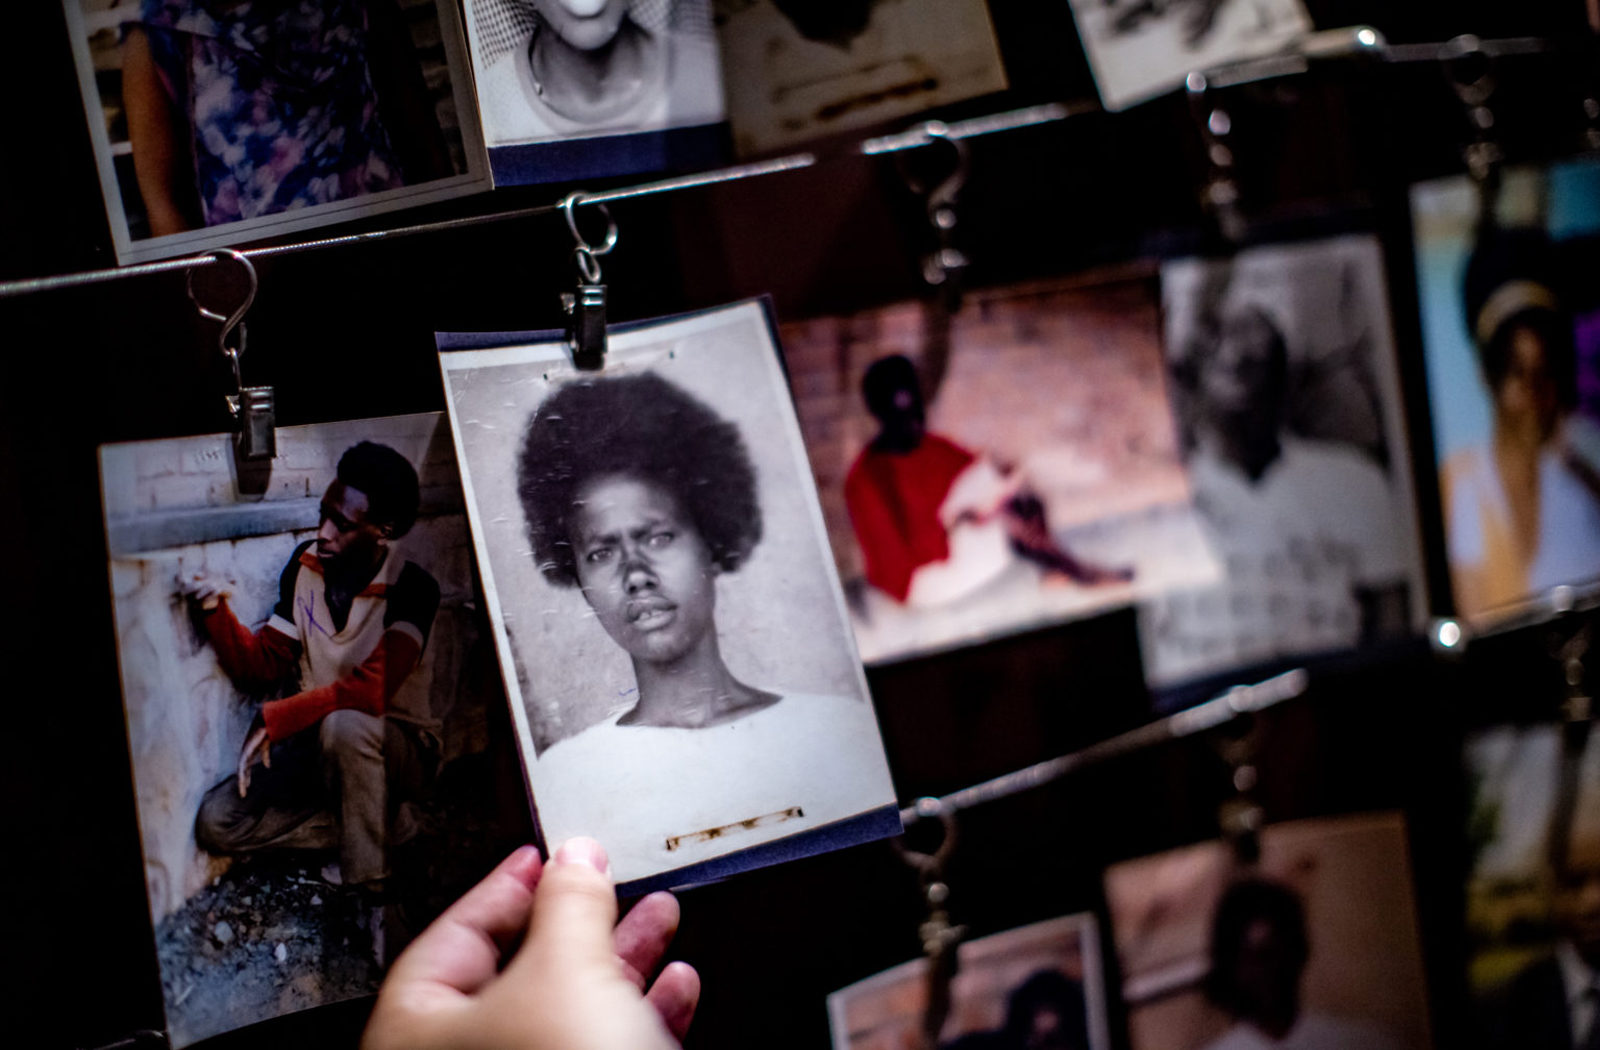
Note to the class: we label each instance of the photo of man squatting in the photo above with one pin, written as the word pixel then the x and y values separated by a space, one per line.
pixel 321 764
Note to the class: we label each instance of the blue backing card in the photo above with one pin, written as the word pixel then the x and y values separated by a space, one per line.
pixel 562 160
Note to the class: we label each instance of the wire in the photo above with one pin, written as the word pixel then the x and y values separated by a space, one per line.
pixel 1242 699
pixel 1333 43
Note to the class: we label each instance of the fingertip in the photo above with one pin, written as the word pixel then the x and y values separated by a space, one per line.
pixel 524 864
pixel 664 906
pixel 675 996
pixel 583 851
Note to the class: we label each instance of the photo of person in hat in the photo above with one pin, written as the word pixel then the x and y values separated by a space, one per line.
pixel 1522 511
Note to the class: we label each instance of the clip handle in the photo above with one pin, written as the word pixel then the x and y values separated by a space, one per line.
pixel 586 325
pixel 257 436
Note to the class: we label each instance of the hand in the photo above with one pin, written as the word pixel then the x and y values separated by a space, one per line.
pixel 575 983
pixel 208 591
pixel 255 746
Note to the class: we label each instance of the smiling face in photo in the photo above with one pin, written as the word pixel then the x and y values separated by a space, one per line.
pixel 584 24
pixel 643 567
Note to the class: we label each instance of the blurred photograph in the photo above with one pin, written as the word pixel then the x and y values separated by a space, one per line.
pixel 671 629
pixel 308 696
pixel 1288 405
pixel 1140 49
pixel 807 69
pixel 1511 331
pixel 572 88
pixel 1533 891
pixel 1036 987
pixel 1012 466
pixel 1314 946
pixel 218 122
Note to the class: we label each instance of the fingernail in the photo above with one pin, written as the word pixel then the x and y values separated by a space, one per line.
pixel 583 851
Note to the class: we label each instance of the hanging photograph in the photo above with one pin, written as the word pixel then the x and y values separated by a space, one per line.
pixel 1139 49
pixel 1288 405
pixel 1533 890
pixel 806 69
pixel 222 124
pixel 1035 986
pixel 1511 334
pixel 671 631
pixel 308 696
pixel 1006 468
pixel 1314 946
pixel 572 89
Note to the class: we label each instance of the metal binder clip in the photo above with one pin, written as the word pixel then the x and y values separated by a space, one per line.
pixel 252 407
pixel 586 307
pixel 943 267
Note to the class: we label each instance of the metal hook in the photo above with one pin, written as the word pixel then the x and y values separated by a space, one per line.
pixel 939 938
pixel 586 307
pixel 942 268
pixel 1470 69
pixel 569 205
pixel 1220 196
pixel 228 321
pixel 942 195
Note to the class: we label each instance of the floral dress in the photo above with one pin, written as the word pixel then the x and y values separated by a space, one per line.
pixel 280 100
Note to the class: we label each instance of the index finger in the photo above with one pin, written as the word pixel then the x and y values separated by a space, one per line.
pixel 461 949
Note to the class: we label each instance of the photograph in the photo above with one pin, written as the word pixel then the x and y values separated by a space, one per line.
pixel 216 124
pixel 806 69
pixel 1510 306
pixel 671 631
pixel 1533 889
pixel 1288 405
pixel 1007 468
pixel 1038 987
pixel 309 692
pixel 1315 946
pixel 1140 49
pixel 571 89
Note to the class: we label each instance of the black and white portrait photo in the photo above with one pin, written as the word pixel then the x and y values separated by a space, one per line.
pixel 551 71
pixel 672 632
pixel 1287 402
pixel 1139 49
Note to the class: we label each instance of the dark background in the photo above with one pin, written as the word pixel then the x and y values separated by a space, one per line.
pixel 348 332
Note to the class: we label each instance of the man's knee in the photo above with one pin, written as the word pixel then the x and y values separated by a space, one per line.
pixel 221 818
pixel 351 735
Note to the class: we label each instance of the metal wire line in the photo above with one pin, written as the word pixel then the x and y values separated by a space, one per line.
pixel 1334 43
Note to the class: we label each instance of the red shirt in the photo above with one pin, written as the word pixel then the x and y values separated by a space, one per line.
pixel 894 500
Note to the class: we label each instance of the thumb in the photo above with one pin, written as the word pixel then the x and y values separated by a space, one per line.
pixel 574 910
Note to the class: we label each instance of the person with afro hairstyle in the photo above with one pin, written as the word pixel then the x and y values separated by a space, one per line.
pixel 643 498
pixel 345 636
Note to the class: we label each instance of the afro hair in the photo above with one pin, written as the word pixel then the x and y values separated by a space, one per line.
pixel 638 426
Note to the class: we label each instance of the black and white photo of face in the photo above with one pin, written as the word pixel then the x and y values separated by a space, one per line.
pixel 644 568
pixel 587 25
